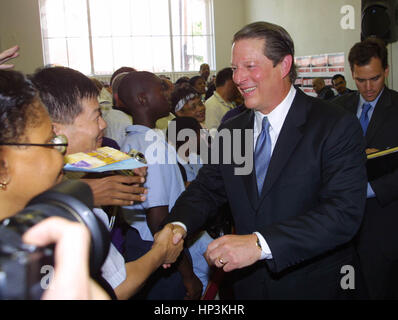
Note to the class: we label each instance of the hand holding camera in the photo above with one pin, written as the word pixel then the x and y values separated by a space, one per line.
pixel 71 280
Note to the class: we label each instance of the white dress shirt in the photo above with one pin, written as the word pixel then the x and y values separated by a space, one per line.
pixel 276 119
pixel 113 269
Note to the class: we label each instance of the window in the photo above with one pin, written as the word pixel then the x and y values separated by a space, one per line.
pixel 97 37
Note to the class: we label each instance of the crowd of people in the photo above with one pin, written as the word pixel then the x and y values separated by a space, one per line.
pixel 307 209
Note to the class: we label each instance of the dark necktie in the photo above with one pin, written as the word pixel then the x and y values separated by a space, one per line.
pixel 364 118
pixel 262 154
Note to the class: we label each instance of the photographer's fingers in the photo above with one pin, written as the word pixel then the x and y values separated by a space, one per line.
pixel 72 240
pixel 54 229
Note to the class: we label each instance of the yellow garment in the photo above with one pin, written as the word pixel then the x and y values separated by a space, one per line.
pixel 163 123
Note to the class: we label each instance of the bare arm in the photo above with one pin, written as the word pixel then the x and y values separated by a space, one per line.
pixel 193 285
pixel 138 271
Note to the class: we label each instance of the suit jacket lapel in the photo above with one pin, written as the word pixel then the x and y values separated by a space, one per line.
pixel 250 179
pixel 379 113
pixel 288 138
pixel 352 105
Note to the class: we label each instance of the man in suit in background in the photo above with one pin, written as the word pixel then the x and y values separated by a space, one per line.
pixel 323 91
pixel 376 107
pixel 296 213
pixel 339 83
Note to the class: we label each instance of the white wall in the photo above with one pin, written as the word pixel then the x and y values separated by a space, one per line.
pixel 314 25
pixel 229 17
pixel 393 56
pixel 20 24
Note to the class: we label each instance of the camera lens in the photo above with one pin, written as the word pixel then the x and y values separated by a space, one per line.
pixel 72 200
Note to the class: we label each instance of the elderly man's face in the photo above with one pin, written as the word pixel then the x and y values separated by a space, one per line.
pixel 339 84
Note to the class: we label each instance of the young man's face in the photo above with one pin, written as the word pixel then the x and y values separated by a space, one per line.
pixel 87 130
pixel 370 78
pixel 205 71
pixel 200 85
pixel 339 84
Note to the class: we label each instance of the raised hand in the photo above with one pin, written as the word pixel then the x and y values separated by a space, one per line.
pixel 6 55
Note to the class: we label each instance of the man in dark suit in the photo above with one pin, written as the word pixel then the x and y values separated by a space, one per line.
pixel 376 106
pixel 323 91
pixel 339 83
pixel 295 217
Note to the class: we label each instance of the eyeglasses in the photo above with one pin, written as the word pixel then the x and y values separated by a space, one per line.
pixel 59 143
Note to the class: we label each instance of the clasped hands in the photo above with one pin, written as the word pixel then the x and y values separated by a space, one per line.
pixel 169 249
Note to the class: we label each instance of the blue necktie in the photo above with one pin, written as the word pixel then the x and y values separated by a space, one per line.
pixel 364 118
pixel 262 154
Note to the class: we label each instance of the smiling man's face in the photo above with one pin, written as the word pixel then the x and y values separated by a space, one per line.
pixel 87 130
pixel 255 75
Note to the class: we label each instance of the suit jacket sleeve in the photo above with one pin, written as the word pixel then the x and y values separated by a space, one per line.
pixel 386 188
pixel 201 200
pixel 336 216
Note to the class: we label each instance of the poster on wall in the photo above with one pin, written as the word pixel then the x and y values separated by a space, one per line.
pixel 318 66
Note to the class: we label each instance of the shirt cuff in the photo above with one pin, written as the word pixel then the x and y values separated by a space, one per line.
pixel 177 223
pixel 265 250
pixel 370 192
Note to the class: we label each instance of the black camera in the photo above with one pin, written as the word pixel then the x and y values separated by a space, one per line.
pixel 21 265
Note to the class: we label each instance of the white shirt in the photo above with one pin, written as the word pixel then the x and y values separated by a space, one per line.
pixel 163 123
pixel 276 119
pixel 114 269
pixel 216 108
pixel 117 121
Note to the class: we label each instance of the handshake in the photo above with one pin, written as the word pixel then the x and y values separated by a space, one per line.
pixel 169 243
pixel 228 252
